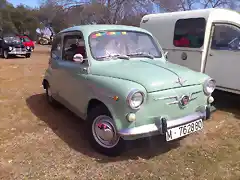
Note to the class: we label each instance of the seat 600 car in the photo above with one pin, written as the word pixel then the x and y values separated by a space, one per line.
pixel 117 79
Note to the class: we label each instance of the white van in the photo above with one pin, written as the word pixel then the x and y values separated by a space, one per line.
pixel 205 40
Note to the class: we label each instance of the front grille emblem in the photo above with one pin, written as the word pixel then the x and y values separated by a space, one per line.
pixel 184 100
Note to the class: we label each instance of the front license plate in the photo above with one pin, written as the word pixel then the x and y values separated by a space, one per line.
pixel 184 130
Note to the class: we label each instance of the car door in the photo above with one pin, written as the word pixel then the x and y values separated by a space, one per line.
pixel 223 60
pixel 73 74
pixel 54 64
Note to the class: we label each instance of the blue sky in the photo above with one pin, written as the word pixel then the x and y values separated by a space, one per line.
pixel 31 3
pixel 34 3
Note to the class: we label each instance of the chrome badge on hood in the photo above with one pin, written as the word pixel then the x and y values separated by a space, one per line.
pixel 180 81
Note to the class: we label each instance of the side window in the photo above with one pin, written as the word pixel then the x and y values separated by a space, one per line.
pixel 73 44
pixel 189 32
pixel 226 37
pixel 56 47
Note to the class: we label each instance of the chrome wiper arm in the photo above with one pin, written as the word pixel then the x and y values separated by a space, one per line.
pixel 119 56
pixel 142 54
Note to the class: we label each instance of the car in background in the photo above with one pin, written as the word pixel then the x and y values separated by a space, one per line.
pixel 27 42
pixel 11 45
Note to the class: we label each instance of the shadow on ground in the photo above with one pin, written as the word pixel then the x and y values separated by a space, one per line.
pixel 14 57
pixel 228 102
pixel 71 130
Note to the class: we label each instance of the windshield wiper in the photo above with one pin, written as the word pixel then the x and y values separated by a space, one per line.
pixel 141 54
pixel 119 56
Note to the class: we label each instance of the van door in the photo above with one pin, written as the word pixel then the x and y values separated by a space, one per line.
pixel 223 60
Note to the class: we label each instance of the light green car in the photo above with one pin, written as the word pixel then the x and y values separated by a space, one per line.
pixel 117 78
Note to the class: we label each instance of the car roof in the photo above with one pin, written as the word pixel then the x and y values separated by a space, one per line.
pixel 102 27
pixel 23 36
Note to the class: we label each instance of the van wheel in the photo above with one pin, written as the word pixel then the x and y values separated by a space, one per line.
pixel 50 99
pixel 5 54
pixel 102 132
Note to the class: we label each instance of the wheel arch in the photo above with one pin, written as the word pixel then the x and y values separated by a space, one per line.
pixel 94 102
pixel 45 83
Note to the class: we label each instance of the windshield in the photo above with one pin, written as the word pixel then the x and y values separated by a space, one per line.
pixel 123 43
pixel 12 39
pixel 25 39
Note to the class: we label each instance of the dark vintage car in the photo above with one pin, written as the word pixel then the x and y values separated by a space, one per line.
pixel 11 45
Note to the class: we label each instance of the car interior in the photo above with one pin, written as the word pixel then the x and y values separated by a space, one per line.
pixel 73 45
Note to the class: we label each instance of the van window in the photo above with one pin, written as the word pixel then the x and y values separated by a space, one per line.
pixel 226 37
pixel 189 32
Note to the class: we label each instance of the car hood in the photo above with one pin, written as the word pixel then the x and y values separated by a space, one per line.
pixel 14 44
pixel 28 43
pixel 154 75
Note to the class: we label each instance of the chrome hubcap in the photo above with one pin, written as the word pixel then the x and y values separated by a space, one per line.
pixel 105 132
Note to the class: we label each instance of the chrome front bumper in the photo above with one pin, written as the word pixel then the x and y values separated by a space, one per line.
pixel 18 53
pixel 161 125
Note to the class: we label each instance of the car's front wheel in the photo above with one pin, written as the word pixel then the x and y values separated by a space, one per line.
pixel 102 132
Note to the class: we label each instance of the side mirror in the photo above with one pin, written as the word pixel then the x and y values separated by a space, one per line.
pixel 166 54
pixel 78 58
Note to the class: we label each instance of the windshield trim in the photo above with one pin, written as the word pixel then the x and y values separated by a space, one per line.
pixel 116 30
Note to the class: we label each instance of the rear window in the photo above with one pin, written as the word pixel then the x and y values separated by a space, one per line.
pixel 189 32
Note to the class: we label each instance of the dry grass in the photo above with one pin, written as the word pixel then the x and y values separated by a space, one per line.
pixel 39 142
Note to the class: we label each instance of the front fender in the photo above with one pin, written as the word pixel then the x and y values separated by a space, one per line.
pixel 105 88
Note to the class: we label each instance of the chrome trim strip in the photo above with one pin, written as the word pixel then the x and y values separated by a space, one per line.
pixel 169 97
pixel 150 128
pixel 174 102
pixel 178 98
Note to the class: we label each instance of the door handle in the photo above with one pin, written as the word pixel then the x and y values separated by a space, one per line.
pixel 210 54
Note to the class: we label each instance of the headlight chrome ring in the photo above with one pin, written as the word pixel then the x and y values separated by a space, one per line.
pixel 10 48
pixel 209 86
pixel 135 94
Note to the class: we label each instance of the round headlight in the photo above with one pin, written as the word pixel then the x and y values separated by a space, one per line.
pixel 209 86
pixel 10 48
pixel 135 99
pixel 28 47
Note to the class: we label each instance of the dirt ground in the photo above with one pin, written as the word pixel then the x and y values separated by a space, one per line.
pixel 40 142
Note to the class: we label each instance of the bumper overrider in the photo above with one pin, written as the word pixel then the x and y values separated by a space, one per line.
pixel 162 124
